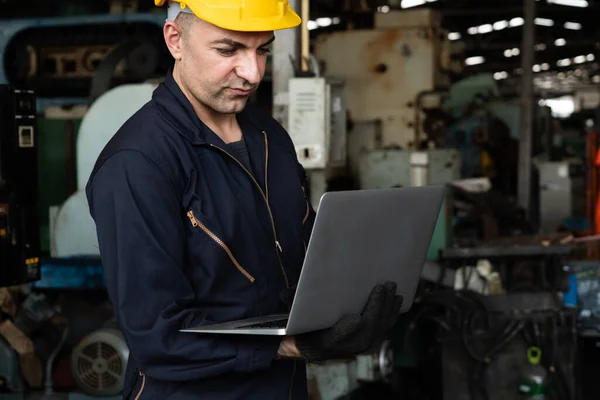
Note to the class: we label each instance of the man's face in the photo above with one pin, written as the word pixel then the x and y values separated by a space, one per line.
pixel 222 68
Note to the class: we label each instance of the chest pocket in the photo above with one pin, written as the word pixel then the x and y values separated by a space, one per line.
pixel 211 235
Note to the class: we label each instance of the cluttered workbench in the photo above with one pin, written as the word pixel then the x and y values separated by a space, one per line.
pixel 535 262
pixel 509 302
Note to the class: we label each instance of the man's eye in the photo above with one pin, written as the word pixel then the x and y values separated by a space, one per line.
pixel 264 51
pixel 226 52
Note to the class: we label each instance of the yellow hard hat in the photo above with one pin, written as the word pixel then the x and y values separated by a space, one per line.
pixel 240 15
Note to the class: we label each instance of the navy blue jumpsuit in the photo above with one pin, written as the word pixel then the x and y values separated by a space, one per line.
pixel 189 236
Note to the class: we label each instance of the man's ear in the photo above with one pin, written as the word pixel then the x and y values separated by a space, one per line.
pixel 173 39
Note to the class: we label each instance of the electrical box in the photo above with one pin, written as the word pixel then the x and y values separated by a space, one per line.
pixel 556 194
pixel 317 122
pixel 19 227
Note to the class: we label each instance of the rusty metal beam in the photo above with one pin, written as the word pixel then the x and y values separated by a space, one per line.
pixel 286 45
pixel 525 136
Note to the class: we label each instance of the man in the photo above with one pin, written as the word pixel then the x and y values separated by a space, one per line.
pixel 202 217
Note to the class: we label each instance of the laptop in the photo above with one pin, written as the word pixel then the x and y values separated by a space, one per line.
pixel 360 238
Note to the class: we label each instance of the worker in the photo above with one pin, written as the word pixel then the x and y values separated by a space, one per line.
pixel 202 216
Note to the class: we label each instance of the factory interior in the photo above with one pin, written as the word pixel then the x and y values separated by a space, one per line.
pixel 498 101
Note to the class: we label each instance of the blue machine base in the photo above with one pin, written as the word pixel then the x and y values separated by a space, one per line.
pixel 76 273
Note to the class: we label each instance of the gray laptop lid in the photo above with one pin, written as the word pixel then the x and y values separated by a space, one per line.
pixel 360 238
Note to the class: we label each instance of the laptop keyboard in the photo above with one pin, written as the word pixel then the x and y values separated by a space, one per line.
pixel 279 324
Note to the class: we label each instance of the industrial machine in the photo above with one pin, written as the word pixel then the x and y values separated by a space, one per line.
pixel 99 362
pixel 19 239
pixel 357 123
pixel 73 232
pixel 60 56
pixel 98 359
pixel 388 72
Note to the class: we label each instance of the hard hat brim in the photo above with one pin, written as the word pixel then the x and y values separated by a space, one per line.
pixel 290 20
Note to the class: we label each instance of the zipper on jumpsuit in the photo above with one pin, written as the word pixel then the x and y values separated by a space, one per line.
pixel 265 196
pixel 141 391
pixel 196 223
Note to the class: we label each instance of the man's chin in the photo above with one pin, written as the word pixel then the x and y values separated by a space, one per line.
pixel 234 106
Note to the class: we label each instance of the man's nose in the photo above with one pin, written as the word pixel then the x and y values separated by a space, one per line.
pixel 249 69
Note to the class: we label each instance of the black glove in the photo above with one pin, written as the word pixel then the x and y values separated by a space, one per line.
pixel 356 333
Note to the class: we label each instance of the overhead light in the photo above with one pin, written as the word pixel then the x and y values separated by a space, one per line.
pixel 486 28
pixel 545 66
pixel 560 42
pixel 311 25
pixel 324 22
pixel 573 26
pixel 544 22
pixel 579 59
pixel 383 9
pixel 414 3
pixel 511 52
pixel 570 3
pixel 498 26
pixel 336 20
pixel 536 68
pixel 474 60
pixel 500 75
pixel 540 47
pixel 516 22
pixel 454 36
pixel 596 79
pixel 565 62
pixel 590 57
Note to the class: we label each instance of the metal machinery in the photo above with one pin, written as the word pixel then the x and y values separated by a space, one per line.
pixel 73 231
pixel 359 120
pixel 385 80
pixel 60 56
pixel 19 243
pixel 487 354
pixel 99 361
pixel 408 126
pixel 387 72
pixel 99 356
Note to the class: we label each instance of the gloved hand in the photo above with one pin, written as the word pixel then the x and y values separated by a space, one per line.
pixel 356 333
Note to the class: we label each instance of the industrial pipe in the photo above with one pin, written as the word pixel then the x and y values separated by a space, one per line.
pixel 305 37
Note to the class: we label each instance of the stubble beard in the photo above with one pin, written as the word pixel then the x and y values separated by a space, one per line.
pixel 224 102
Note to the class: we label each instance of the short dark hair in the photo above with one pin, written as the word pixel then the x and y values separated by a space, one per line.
pixel 185 22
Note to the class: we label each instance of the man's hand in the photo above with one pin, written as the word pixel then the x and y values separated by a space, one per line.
pixel 353 334
pixel 288 349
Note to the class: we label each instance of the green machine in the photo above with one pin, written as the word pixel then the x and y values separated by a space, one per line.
pixel 57 175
